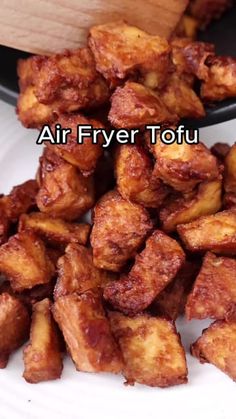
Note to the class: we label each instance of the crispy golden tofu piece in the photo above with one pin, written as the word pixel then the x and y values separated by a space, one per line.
pixel 220 150
pixel 181 67
pixel 151 348
pixel 216 233
pixel 31 112
pixel 64 192
pixel 27 70
pixel 14 326
pixel 120 227
pixel 181 99
pixel 230 171
pixel 134 106
pixel 183 166
pixel 77 273
pixel 121 50
pixel 214 291
pixel 63 82
pixel 217 345
pixel 87 333
pixel 134 176
pixel 54 230
pixel 172 300
pixel 207 10
pixel 179 209
pixel 152 271
pixel 83 156
pixel 25 262
pixel 196 56
pixel 42 356
pixel 221 80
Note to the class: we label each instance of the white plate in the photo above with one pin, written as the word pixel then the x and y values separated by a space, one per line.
pixel 209 394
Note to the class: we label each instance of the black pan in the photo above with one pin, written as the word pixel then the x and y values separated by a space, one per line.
pixel 222 33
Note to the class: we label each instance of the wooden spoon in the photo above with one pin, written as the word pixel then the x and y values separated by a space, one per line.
pixel 46 26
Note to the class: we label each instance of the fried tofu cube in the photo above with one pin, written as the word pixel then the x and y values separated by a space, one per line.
pixel 20 200
pixel 14 326
pixel 196 55
pixel 220 150
pixel 180 99
pixel 221 81
pixel 134 106
pixel 183 166
pixel 230 171
pixel 84 156
pixel 120 227
pixel 42 356
pixel 54 230
pixel 77 273
pixel 217 346
pixel 184 209
pixel 27 70
pixel 153 270
pixel 179 60
pixel 64 192
pixel 172 300
pixel 214 291
pixel 134 176
pixel 24 261
pixel 121 50
pixel 32 113
pixel 216 233
pixel 87 333
pixel 151 348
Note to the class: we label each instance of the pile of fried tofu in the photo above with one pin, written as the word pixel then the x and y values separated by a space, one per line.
pixel 162 240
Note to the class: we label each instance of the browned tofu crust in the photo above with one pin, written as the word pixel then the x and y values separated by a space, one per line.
pixel 214 292
pixel 122 50
pixel 230 171
pixel 77 273
pixel 181 209
pixel 152 271
pixel 220 150
pixel 151 348
pixel 134 106
pixel 216 233
pixel 64 192
pixel 221 80
pixel 14 326
pixel 84 156
pixel 120 227
pixel 87 333
pixel 42 357
pixel 25 262
pixel 217 345
pixel 134 176
pixel 184 166
pixel 172 300
pixel 55 231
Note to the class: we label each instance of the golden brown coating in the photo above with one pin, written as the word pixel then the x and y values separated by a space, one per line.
pixel 230 171
pixel 120 227
pixel 181 99
pixel 42 357
pixel 134 176
pixel 4 227
pixel 221 80
pixel 207 10
pixel 172 300
pixel 54 230
pixel 151 348
pixel 83 156
pixel 152 271
pixel 14 326
pixel 216 233
pixel 183 166
pixel 87 333
pixel 180 209
pixel 27 70
pixel 220 150
pixel 134 106
pixel 187 27
pixel 196 56
pixel 229 200
pixel 217 345
pixel 181 68
pixel 77 273
pixel 121 50
pixel 20 200
pixel 64 192
pixel 25 262
pixel 214 291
